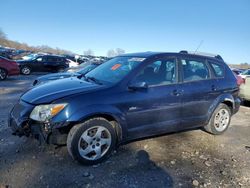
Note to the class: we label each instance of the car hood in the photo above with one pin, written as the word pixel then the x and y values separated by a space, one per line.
pixel 46 93
pixel 56 76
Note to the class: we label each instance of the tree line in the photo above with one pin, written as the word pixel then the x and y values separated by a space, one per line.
pixel 4 41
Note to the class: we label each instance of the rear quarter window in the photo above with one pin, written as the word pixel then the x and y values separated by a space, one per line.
pixel 218 69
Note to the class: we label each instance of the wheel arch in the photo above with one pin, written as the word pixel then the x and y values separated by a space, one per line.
pixel 4 69
pixel 112 115
pixel 109 117
pixel 229 103
pixel 226 99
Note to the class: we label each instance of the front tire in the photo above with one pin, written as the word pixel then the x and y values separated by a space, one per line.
pixel 220 120
pixel 92 141
pixel 3 74
pixel 25 70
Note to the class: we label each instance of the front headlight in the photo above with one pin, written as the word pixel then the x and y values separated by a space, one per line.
pixel 45 112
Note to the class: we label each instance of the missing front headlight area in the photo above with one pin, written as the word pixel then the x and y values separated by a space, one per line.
pixel 45 133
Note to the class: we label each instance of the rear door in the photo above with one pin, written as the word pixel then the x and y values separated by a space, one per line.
pixel 52 63
pixel 198 92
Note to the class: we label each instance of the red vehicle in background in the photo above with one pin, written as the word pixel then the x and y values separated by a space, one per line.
pixel 240 80
pixel 8 68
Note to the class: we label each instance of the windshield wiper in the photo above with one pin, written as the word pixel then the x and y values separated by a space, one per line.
pixel 93 79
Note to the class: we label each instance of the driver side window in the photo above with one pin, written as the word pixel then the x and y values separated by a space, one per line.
pixel 41 59
pixel 160 72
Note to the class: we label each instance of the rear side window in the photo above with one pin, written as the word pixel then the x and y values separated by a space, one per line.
pixel 194 70
pixel 218 69
pixel 50 59
pixel 41 59
pixel 59 59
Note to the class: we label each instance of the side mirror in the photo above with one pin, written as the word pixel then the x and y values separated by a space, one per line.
pixel 138 86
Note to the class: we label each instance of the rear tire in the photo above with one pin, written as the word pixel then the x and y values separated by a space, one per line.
pixel 220 120
pixel 25 70
pixel 3 74
pixel 92 141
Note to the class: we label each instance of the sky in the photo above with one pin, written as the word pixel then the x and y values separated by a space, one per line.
pixel 223 26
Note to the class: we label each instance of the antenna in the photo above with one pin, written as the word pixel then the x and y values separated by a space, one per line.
pixel 201 42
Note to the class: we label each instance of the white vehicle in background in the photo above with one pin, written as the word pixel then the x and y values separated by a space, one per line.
pixel 72 63
pixel 96 59
pixel 82 58
pixel 245 89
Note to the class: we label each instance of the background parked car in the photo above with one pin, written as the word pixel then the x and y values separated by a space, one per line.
pixel 8 68
pixel 43 63
pixel 77 71
pixel 245 73
pixel 245 89
pixel 4 54
pixel 240 80
pixel 237 71
pixel 72 63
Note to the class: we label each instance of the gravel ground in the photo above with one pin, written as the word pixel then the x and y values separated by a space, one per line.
pixel 187 159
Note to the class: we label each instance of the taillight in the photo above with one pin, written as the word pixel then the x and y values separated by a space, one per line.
pixel 240 80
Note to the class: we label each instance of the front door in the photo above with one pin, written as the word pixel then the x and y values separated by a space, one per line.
pixel 37 64
pixel 155 109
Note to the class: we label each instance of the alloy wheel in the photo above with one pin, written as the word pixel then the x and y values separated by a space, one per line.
pixel 94 143
pixel 25 70
pixel 221 120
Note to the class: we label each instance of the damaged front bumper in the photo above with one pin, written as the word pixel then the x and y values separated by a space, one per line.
pixel 22 125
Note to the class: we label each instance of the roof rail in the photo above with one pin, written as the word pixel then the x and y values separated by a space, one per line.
pixel 202 53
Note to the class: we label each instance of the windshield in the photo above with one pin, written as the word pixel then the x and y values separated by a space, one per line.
pixel 82 65
pixel 30 57
pixel 246 72
pixel 115 69
pixel 78 68
pixel 87 68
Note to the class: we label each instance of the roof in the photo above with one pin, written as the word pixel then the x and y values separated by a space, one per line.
pixel 142 54
pixel 185 53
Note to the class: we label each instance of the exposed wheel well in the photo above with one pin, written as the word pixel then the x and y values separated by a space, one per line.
pixel 229 104
pixel 108 117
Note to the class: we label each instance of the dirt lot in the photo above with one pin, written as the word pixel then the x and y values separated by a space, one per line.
pixel 186 159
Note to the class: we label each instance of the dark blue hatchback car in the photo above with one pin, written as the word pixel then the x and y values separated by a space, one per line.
pixel 129 97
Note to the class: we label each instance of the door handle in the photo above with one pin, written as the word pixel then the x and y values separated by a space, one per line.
pixel 213 87
pixel 177 92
